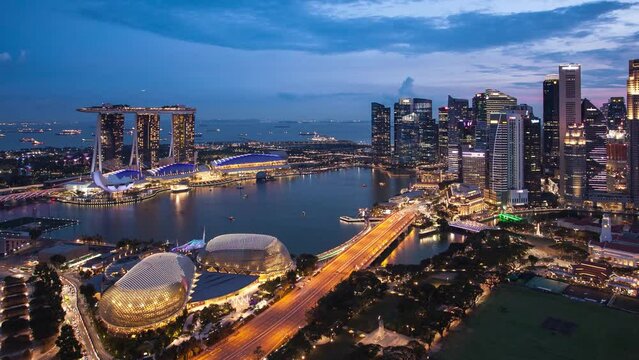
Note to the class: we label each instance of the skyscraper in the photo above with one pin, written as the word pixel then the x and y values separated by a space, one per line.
pixel 428 131
pixel 507 158
pixel 616 113
pixel 380 133
pixel 457 114
pixel 443 133
pixel 616 161
pixel 112 136
pixel 633 128
pixel 569 112
pixel 474 166
pixel 575 166
pixel 147 127
pixel 595 129
pixel 183 138
pixel 532 145
pixel 551 125
pixel 412 119
pixel 496 101
pixel 481 120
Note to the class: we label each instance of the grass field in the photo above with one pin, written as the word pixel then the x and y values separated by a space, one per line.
pixel 509 326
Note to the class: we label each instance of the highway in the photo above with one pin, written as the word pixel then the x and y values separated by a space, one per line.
pixel 271 328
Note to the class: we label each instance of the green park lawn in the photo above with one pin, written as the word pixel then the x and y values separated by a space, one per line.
pixel 509 326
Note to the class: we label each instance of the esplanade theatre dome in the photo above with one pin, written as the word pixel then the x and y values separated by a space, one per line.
pixel 151 294
pixel 255 254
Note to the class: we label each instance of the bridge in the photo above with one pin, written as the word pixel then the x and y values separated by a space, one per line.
pixel 26 195
pixel 470 226
pixel 271 328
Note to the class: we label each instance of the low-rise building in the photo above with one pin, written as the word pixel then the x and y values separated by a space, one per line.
pixel 468 199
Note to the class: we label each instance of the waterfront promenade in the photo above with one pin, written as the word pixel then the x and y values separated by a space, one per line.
pixel 271 328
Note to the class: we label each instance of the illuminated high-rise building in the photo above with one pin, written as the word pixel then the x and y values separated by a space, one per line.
pixel 457 114
pixel 575 168
pixel 551 125
pixel 112 136
pixel 633 128
pixel 183 138
pixel 616 160
pixel 569 114
pixel 428 131
pixel 507 159
pixel 595 129
pixel 147 127
pixel 616 113
pixel 380 133
pixel 496 101
pixel 474 166
pixel 413 119
pixel 443 133
pixel 481 120
pixel 532 145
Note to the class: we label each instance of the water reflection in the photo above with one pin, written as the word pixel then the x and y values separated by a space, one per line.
pixel 415 248
pixel 303 212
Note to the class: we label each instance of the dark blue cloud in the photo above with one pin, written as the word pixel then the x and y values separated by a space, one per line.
pixel 291 25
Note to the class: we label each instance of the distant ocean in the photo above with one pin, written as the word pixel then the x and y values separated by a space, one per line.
pixel 211 130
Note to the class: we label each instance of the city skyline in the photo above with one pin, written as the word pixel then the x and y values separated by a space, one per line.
pixel 44 77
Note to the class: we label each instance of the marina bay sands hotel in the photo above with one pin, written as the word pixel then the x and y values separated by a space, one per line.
pixel 109 134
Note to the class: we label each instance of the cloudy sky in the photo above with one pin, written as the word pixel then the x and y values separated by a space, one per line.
pixel 300 60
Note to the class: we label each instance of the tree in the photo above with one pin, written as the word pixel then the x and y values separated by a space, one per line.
pixel 533 260
pixel 89 292
pixel 57 260
pixel 70 348
pixel 35 233
pixel 259 353
pixel 306 263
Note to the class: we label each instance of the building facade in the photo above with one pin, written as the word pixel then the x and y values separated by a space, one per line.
pixel 633 128
pixel 551 124
pixel 412 118
pixel 112 136
pixel 474 167
pixel 569 113
pixel 575 180
pixel 443 133
pixel 380 133
pixel 616 113
pixel 147 127
pixel 183 138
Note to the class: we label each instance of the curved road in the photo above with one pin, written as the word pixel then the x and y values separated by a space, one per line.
pixel 271 328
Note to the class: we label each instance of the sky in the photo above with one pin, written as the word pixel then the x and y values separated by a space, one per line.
pixel 301 60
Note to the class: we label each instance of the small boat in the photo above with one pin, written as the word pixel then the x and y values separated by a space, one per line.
pixel 381 183
pixel 231 218
pixel 27 140
pixel 303 213
pixel 69 132
pixel 30 131
pixel 177 188
pixel 244 196
pixel 36 142
pixel 364 185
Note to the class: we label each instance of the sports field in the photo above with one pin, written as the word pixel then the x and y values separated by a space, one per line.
pixel 520 323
